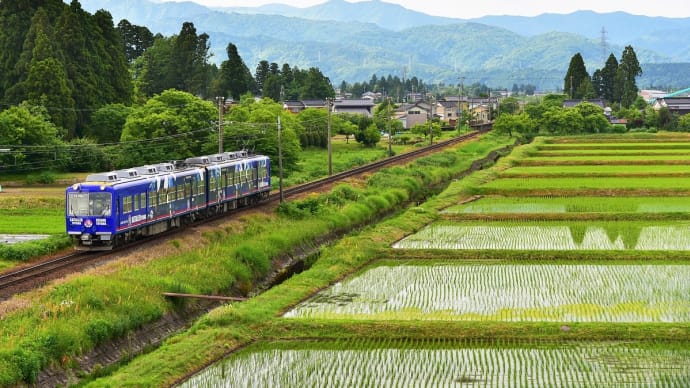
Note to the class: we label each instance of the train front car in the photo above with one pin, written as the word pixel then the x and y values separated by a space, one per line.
pixel 91 220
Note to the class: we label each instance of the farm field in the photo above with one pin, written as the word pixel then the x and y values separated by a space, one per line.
pixel 551 235
pixel 535 292
pixel 599 170
pixel 375 363
pixel 498 204
pixel 32 210
pixel 499 288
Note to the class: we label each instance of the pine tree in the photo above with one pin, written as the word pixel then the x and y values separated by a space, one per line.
pixel 46 85
pixel 608 79
pixel 628 69
pixel 262 71
pixel 576 75
pixel 135 39
pixel 235 78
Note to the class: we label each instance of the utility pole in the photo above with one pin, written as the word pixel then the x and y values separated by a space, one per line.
pixel 329 102
pixel 571 86
pixel 431 121
pixel 462 92
pixel 388 123
pixel 280 162
pixel 221 108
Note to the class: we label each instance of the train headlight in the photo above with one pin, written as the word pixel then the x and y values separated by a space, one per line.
pixel 88 223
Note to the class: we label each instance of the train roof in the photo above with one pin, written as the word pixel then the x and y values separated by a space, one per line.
pixel 142 172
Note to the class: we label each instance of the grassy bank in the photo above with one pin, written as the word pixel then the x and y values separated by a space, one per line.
pixel 56 324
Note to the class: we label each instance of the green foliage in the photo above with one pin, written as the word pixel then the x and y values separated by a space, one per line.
pixel 369 136
pixel 27 250
pixel 179 119
pixel 619 128
pixel 234 79
pixel 135 39
pixel 300 209
pixel 84 155
pixel 107 123
pixel 256 259
pixel 45 177
pixel 577 78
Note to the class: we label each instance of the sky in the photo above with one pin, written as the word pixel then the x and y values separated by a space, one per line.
pixel 473 9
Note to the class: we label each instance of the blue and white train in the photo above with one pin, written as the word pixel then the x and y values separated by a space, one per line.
pixel 113 208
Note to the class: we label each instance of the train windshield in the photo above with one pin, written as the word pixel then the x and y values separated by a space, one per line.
pixel 89 204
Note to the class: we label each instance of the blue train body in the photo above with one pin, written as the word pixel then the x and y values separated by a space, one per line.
pixel 113 208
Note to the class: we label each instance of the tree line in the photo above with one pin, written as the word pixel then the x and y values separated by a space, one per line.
pixel 615 82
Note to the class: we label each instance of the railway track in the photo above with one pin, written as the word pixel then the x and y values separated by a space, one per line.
pixel 32 276
pixel 396 159
pixel 17 280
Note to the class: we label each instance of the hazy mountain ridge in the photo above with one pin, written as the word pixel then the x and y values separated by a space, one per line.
pixel 435 52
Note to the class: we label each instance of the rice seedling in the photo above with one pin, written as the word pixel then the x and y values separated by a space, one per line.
pixel 500 204
pixel 508 292
pixel 588 183
pixel 551 235
pixel 448 363
pixel 599 170
pixel 632 158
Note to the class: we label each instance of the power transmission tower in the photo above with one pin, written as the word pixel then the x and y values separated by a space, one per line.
pixel 603 44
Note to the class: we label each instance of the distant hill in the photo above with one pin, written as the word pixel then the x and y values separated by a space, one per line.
pixel 388 39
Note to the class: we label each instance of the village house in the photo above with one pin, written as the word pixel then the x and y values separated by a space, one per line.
pixel 676 105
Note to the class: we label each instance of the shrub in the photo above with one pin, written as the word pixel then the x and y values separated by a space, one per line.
pixel 99 330
pixel 254 258
pixel 619 128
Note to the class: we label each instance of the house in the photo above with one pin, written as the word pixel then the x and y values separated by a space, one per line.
pixel 296 106
pixel 371 96
pixel 355 106
pixel 677 105
pixel 480 114
pixel 413 114
pixel 650 95
pixel 575 102
pixel 293 106
pixel 480 108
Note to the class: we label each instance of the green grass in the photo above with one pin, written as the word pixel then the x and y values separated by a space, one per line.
pixel 623 158
pixel 345 155
pixel 32 212
pixel 616 146
pixel 666 184
pixel 498 204
pixel 599 170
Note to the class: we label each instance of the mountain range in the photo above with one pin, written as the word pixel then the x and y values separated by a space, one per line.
pixel 353 41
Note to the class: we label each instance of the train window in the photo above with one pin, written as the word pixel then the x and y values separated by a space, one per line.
pixel 127 204
pixel 180 191
pixel 135 202
pixel 89 204
pixel 200 186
